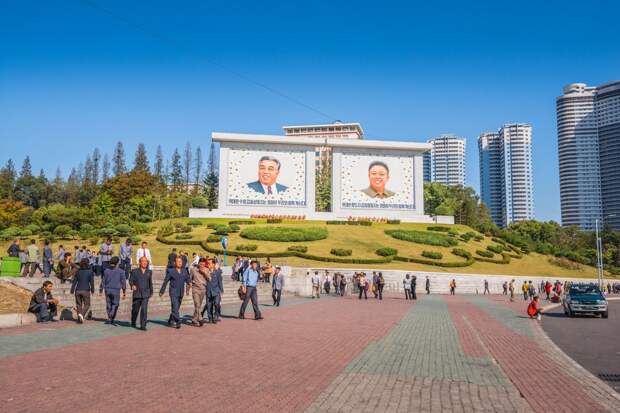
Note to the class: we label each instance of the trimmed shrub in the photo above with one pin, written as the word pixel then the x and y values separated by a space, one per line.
pixel 241 222
pixel 467 236
pixel 62 231
pixel 298 248
pixel 234 227
pixel 183 228
pixel 336 222
pixel 144 218
pixel 212 225
pixel 222 230
pixel 274 221
pixel 200 202
pixel 135 239
pixel 284 234
pixel 466 263
pixel 486 254
pixel 387 252
pixel 437 228
pixel 165 231
pixel 393 221
pixel 214 238
pixel 33 228
pixel 432 255
pixel 246 247
pixel 422 237
pixel 87 228
pixel 460 252
pixel 183 236
pixel 25 233
pixel 479 238
pixel 13 232
pixel 362 223
pixel 498 249
pixel 139 228
pixel 194 222
pixel 505 259
pixel 341 252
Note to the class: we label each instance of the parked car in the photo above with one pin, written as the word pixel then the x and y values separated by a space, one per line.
pixel 585 299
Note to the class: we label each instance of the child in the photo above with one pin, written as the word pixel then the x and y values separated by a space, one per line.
pixel 533 308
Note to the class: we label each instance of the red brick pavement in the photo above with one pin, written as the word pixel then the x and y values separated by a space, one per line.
pixel 540 379
pixel 281 363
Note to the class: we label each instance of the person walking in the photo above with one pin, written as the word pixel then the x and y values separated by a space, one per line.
pixel 548 287
pixel 427 285
pixel 250 279
pixel 511 288
pixel 126 252
pixel 316 285
pixel 105 252
pixel 199 277
pixel 179 282
pixel 32 258
pixel 505 288
pixel 83 285
pixel 452 287
pixel 14 249
pixel 363 286
pixel 48 259
pixel 141 283
pixel 525 290
pixel 215 289
pixel 277 285
pixel 486 288
pixel 327 282
pixel 43 304
pixel 144 251
pixel 172 257
pixel 531 291
pixel 375 284
pixel 267 271
pixel 414 282
pixel 112 282
pixel 380 285
pixel 343 284
pixel 407 287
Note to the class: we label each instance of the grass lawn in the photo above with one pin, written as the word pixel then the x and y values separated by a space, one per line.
pixel 363 241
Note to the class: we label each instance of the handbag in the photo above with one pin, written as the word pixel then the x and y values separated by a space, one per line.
pixel 241 293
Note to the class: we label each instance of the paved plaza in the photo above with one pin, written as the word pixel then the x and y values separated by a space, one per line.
pixel 438 354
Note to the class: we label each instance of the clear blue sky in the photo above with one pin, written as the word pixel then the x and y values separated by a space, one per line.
pixel 73 77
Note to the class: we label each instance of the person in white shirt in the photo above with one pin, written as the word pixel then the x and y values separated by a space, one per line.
pixel 316 285
pixel 143 251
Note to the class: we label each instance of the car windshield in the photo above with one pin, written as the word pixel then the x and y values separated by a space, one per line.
pixel 585 290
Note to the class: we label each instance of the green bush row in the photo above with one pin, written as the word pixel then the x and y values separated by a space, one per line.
pixel 298 248
pixel 437 228
pixel 466 263
pixel 498 249
pixel 460 252
pixel 341 252
pixel 246 247
pixel 183 236
pixel 284 234
pixel 422 237
pixel 393 221
pixel 505 259
pixel 242 222
pixel 194 222
pixel 332 222
pixel 387 252
pixel 432 255
pixel 274 221
pixel 484 253
pixel 214 238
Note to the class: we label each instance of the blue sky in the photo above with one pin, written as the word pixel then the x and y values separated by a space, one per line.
pixel 73 77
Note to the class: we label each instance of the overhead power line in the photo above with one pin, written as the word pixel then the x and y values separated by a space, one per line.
pixel 198 53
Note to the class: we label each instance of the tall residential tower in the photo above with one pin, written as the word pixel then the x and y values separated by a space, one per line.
pixel 445 163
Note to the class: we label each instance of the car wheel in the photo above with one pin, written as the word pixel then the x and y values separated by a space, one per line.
pixel 605 314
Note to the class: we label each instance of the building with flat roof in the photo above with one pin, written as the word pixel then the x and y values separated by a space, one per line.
pixel 445 162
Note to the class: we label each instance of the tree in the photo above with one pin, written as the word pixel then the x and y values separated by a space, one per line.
pixel 26 168
pixel 158 167
pixel 141 163
pixel 323 186
pixel 125 186
pixel 105 168
pixel 96 165
pixel 176 173
pixel 118 160
pixel 197 168
pixel 7 180
pixel 187 164
pixel 211 181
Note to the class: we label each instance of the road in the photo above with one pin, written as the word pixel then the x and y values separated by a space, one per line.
pixel 589 340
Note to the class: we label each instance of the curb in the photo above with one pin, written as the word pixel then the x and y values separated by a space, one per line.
pixel 16 320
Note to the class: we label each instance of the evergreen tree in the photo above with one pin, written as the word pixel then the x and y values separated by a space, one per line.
pixel 197 167
pixel 211 181
pixel 96 165
pixel 118 160
pixel 26 168
pixel 105 168
pixel 7 180
pixel 323 186
pixel 141 163
pixel 176 172
pixel 158 167
pixel 187 165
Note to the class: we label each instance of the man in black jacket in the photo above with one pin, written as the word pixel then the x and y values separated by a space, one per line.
pixel 14 249
pixel 43 303
pixel 141 282
pixel 83 285
pixel 215 288
pixel 179 281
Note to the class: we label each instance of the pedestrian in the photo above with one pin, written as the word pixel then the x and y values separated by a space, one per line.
pixel 43 304
pixel 381 285
pixel 534 309
pixel 48 259
pixel 407 287
pixel 83 286
pixel 215 289
pixel 179 282
pixel 452 287
pixel 32 253
pixel 343 285
pixel 66 268
pixel 511 288
pixel 531 290
pixel 375 284
pixel 144 251
pixel 363 286
pixel 316 285
pixel 525 290
pixel 548 287
pixel 414 282
pixel 172 257
pixel 267 271
pixel 105 252
pixel 250 279
pixel 141 283
pixel 505 288
pixel 125 254
pixel 14 249
pixel 427 285
pixel 61 252
pixel 337 283
pixel 327 283
pixel 277 285
pixel 199 277
pixel 486 287
pixel 112 282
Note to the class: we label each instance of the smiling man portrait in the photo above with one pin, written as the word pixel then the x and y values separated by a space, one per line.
pixel 268 172
pixel 378 176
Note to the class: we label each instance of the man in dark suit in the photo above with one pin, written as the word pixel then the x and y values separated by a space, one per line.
pixel 43 303
pixel 141 282
pixel 268 172
pixel 172 258
pixel 179 282
pixel 215 288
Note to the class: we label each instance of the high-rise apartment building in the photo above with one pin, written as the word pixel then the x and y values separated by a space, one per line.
pixel 589 154
pixel 506 180
pixel 445 163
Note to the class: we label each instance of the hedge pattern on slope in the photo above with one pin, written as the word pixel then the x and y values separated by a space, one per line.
pixel 284 234
pixel 422 237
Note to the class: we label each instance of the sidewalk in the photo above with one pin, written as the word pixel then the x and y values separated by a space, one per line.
pixel 441 353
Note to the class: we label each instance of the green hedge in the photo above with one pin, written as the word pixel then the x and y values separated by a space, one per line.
pixel 274 221
pixel 505 259
pixel 362 223
pixel 460 252
pixel 176 242
pixel 223 230
pixel 479 238
pixel 241 222
pixel 212 225
pixel 214 238
pixel 432 255
pixel 468 235
pixel 194 222
pixel 437 228
pixel 284 234
pixel 246 247
pixel 336 222
pixel 422 237
pixel 341 252
pixel 234 227
pixel 484 253
pixel 298 248
pixel 393 221
pixel 466 263
pixel 387 252
pixel 498 249
pixel 183 236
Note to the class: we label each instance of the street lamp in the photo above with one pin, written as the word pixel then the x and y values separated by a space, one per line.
pixel 599 252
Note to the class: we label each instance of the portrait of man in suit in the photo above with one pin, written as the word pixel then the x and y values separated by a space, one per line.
pixel 378 176
pixel 268 171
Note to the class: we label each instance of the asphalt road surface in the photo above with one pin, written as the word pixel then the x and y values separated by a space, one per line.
pixel 590 340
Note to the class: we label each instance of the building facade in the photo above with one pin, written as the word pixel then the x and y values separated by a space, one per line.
pixel 445 163
pixel 506 178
